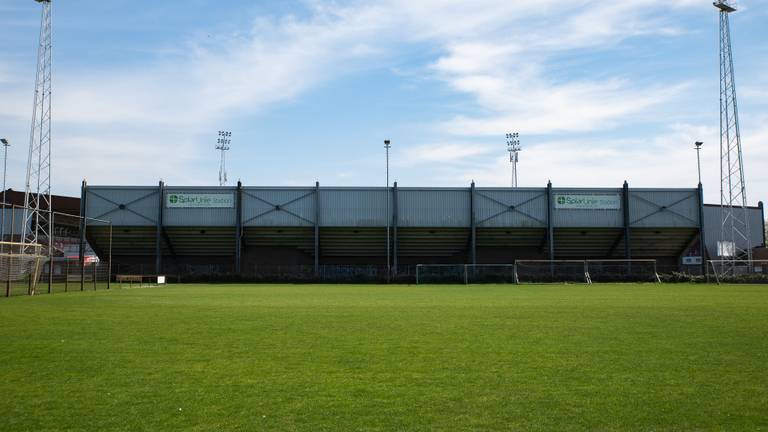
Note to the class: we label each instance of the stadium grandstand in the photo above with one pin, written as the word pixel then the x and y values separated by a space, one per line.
pixel 265 232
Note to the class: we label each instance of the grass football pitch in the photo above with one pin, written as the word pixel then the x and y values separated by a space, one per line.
pixel 375 357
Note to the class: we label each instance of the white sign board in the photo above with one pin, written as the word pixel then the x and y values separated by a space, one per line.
pixel 692 260
pixel 199 200
pixel 587 202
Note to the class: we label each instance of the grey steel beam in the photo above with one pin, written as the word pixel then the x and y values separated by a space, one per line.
pixel 238 227
pixel 317 228
pixel 472 226
pixel 83 227
pixel 550 222
pixel 762 219
pixel 395 217
pixel 627 222
pixel 702 232
pixel 159 228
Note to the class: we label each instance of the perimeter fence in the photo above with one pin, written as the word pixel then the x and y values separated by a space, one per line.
pixel 65 261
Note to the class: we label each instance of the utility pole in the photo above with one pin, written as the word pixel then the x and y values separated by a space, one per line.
pixel 698 145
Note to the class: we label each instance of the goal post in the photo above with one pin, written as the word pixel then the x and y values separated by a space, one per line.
pixel 20 266
pixel 542 272
pixel 739 271
pixel 551 271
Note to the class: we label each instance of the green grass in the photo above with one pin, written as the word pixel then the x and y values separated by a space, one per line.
pixel 343 357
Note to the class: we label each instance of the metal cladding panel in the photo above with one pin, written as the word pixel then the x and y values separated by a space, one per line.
pixel 193 216
pixel 353 207
pixel 664 208
pixel 12 221
pixel 139 204
pixel 588 217
pixel 511 208
pixel 433 208
pixel 278 207
pixel 712 231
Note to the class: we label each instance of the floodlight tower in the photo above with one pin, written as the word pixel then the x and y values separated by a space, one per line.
pixel 734 233
pixel 38 214
pixel 513 147
pixel 222 143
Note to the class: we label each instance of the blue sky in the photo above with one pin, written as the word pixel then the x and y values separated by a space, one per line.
pixel 310 89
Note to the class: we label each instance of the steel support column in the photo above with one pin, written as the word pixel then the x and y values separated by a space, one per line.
pixel 472 227
pixel 395 217
pixel 83 227
pixel 550 222
pixel 317 228
pixel 627 222
pixel 238 227
pixel 762 220
pixel 702 235
pixel 159 228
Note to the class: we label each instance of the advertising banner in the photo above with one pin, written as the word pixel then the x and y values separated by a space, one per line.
pixel 587 202
pixel 199 200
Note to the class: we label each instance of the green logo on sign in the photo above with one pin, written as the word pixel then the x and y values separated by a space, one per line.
pixel 173 199
pixel 561 200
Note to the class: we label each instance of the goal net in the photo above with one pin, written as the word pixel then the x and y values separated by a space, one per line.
pixel 542 271
pixel 20 267
pixel 738 270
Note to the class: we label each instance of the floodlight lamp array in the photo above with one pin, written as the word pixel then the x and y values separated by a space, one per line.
pixel 224 140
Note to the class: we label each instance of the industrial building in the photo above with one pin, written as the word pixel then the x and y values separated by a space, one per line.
pixel 242 229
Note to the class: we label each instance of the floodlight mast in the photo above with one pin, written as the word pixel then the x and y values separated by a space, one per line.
pixel 222 144
pixel 38 212
pixel 513 147
pixel 736 250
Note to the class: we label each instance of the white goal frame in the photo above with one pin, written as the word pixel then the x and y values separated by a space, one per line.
pixel 463 270
pixel 750 267
pixel 18 264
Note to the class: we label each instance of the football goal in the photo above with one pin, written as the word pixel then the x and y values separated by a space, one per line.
pixel 541 272
pixel 20 266
pixel 738 270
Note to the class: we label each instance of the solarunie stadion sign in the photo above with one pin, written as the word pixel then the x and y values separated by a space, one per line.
pixel 587 202
pixel 200 200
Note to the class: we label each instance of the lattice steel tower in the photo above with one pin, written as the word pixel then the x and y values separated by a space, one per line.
pixel 38 214
pixel 734 236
